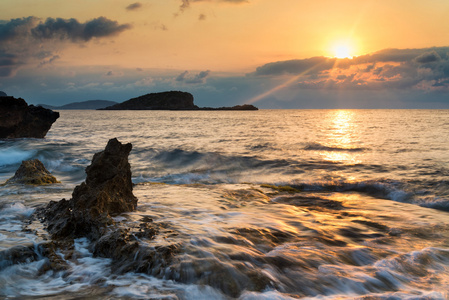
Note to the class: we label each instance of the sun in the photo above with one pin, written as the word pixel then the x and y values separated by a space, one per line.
pixel 342 49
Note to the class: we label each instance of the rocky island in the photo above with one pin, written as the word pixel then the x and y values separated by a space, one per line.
pixel 172 100
pixel 20 120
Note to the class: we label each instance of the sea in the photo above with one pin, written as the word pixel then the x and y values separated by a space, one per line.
pixel 268 204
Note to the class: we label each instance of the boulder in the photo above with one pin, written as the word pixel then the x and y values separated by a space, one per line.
pixel 32 172
pixel 20 120
pixel 106 192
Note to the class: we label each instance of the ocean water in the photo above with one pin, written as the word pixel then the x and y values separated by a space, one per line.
pixel 269 204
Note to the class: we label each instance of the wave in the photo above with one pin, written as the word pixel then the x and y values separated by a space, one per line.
pixel 13 155
pixel 320 147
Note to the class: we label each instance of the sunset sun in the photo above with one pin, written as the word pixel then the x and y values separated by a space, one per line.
pixel 342 50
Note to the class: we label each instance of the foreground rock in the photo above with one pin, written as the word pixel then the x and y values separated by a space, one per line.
pixel 173 100
pixel 20 120
pixel 32 172
pixel 106 192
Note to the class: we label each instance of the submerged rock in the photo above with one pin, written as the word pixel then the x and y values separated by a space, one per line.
pixel 106 192
pixel 20 120
pixel 32 172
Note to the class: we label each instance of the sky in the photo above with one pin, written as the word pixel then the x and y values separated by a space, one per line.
pixel 272 54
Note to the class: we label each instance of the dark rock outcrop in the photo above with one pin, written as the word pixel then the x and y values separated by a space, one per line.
pixel 32 172
pixel 237 107
pixel 106 192
pixel 173 100
pixel 20 120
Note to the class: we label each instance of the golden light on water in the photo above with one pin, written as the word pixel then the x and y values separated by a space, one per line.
pixel 340 140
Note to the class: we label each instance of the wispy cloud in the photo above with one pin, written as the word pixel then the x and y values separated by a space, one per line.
pixel 134 6
pixel 196 79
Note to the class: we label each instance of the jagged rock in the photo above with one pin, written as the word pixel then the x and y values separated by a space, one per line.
pixel 20 120
pixel 32 172
pixel 106 192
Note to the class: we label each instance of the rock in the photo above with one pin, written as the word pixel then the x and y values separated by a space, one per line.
pixel 106 192
pixel 236 107
pixel 173 100
pixel 3 94
pixel 20 120
pixel 32 172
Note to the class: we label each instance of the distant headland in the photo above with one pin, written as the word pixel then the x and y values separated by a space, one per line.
pixel 172 100
pixel 90 104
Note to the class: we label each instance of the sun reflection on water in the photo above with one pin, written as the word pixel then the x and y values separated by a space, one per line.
pixel 340 137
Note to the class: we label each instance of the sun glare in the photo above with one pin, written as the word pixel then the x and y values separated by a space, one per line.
pixel 342 51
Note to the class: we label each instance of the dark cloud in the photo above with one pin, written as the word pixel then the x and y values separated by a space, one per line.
pixel 198 78
pixel 428 57
pixel 8 64
pixel 75 31
pixel 202 17
pixel 29 40
pixel 16 28
pixel 134 6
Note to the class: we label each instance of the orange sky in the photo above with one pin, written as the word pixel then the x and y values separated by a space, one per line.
pixel 240 36
pixel 222 37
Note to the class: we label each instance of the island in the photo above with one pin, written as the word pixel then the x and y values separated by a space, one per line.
pixel 89 104
pixel 171 100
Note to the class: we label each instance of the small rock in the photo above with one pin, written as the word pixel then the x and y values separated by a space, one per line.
pixel 32 172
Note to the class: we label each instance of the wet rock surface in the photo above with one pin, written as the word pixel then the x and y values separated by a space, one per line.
pixel 106 192
pixel 32 172
pixel 20 120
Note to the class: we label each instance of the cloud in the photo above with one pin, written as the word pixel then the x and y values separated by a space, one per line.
pixel 75 31
pixel 134 6
pixel 202 17
pixel 49 61
pixel 196 79
pixel 428 57
pixel 426 68
pixel 182 76
pixel 185 4
pixel 27 40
